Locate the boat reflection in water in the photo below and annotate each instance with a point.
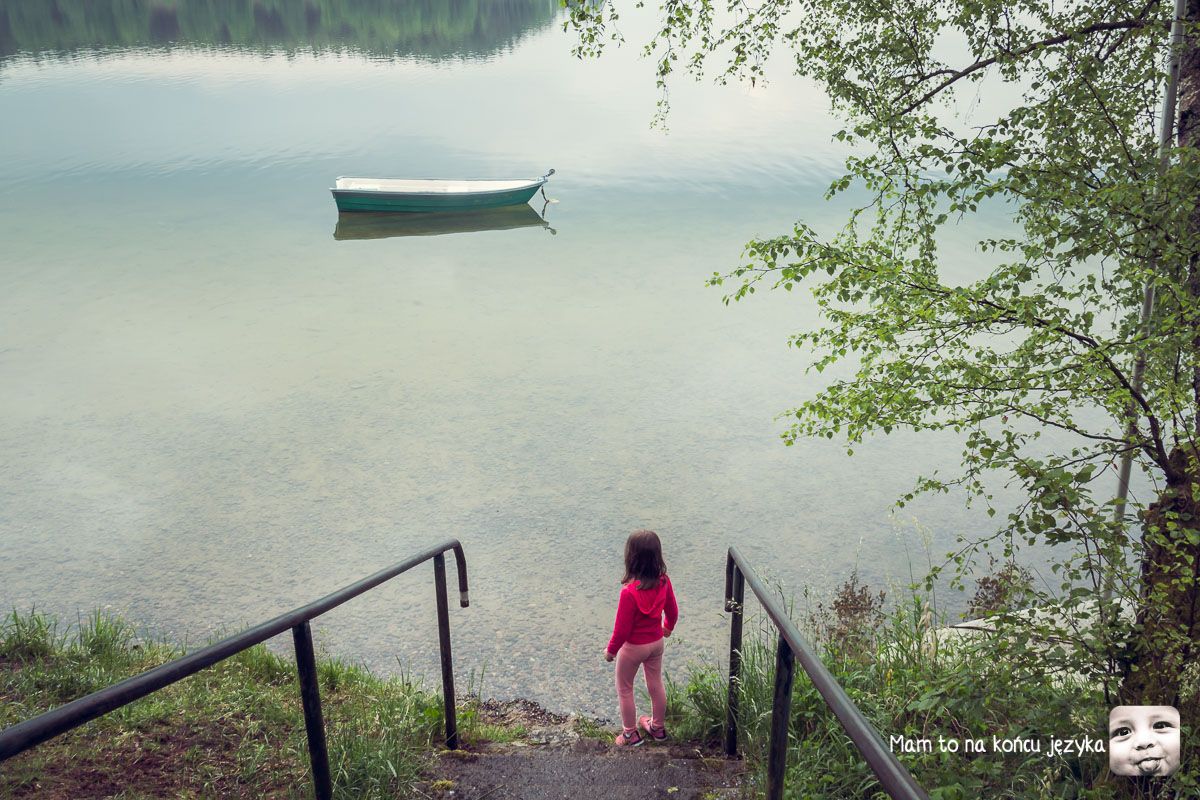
(383, 225)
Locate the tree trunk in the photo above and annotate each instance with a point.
(1168, 637)
(1189, 86)
(1189, 136)
(1168, 616)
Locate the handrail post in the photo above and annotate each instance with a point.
(443, 615)
(734, 603)
(314, 724)
(460, 562)
(781, 715)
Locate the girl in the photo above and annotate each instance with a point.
(637, 640)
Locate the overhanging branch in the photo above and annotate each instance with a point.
(955, 77)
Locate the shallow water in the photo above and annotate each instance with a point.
(212, 410)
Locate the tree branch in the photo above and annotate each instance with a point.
(1128, 24)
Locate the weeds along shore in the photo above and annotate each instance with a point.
(972, 715)
(237, 729)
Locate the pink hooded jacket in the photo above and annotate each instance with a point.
(640, 614)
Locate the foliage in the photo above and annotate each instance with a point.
(235, 729)
(852, 618)
(1005, 589)
(916, 682)
(1043, 333)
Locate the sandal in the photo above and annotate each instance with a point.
(629, 738)
(657, 734)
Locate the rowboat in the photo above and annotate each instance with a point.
(382, 225)
(395, 194)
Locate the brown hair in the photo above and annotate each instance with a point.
(644, 559)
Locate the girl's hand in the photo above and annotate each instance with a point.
(608, 656)
(666, 633)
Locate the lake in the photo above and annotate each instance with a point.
(213, 409)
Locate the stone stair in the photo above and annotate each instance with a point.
(560, 757)
(584, 770)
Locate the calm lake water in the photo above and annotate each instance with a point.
(212, 410)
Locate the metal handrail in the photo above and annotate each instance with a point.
(32, 732)
(893, 776)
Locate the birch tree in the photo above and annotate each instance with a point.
(1050, 334)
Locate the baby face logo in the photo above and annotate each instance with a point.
(1143, 740)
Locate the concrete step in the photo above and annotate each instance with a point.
(585, 770)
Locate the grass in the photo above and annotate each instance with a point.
(906, 686)
(590, 729)
(236, 729)
(233, 730)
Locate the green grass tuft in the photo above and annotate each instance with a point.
(235, 729)
(29, 637)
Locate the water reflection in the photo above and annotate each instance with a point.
(210, 404)
(429, 29)
(368, 225)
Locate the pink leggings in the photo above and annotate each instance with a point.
(629, 658)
